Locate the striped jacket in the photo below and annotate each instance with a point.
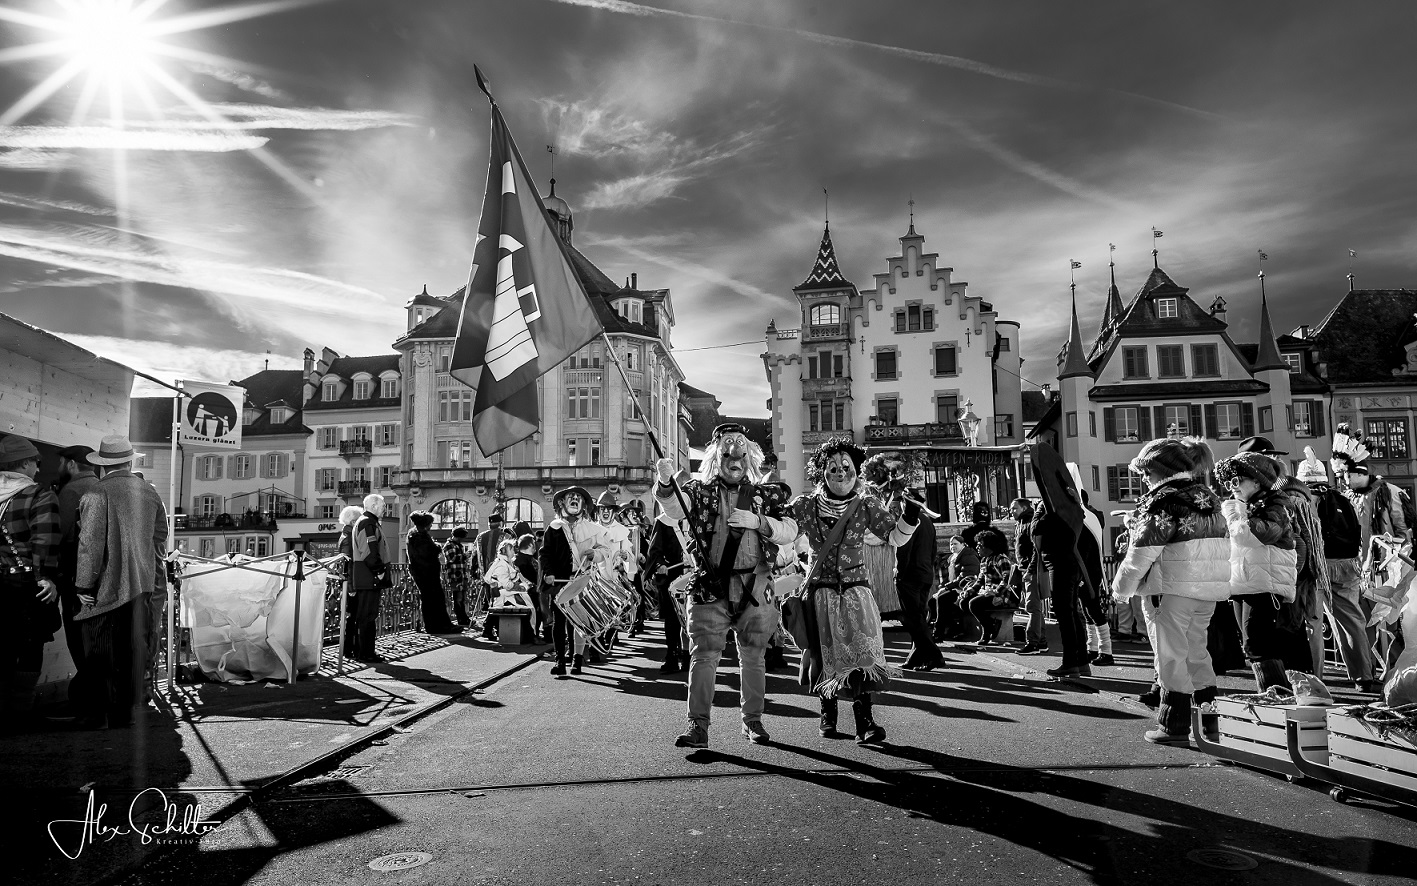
(1178, 545)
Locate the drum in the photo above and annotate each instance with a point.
(595, 603)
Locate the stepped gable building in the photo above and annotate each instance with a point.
(1162, 365)
(589, 434)
(914, 363)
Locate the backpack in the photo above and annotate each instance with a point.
(1339, 524)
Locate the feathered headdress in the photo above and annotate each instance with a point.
(1349, 453)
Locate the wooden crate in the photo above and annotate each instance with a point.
(1358, 749)
(1259, 728)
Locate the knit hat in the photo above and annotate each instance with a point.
(1165, 457)
(1250, 465)
(1311, 470)
(16, 448)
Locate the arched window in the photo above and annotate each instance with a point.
(825, 315)
(451, 513)
(519, 509)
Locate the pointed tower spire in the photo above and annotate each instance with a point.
(1268, 355)
(1113, 310)
(826, 273)
(1076, 363)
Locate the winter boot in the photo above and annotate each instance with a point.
(1270, 672)
(827, 727)
(867, 731)
(576, 664)
(1204, 701)
(559, 670)
(1173, 720)
(1152, 697)
(774, 660)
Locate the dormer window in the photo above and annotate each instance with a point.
(329, 392)
(249, 415)
(389, 388)
(279, 415)
(361, 389)
(1293, 361)
(1167, 309)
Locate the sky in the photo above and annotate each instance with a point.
(238, 178)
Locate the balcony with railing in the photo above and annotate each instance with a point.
(352, 448)
(260, 521)
(826, 330)
(812, 388)
(931, 432)
(816, 438)
(349, 488)
(576, 378)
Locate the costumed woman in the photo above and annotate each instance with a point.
(427, 573)
(839, 624)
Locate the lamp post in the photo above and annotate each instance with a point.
(969, 424)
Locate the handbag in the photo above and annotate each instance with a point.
(793, 606)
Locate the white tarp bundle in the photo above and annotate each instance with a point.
(241, 612)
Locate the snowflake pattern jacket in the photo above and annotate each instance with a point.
(1178, 545)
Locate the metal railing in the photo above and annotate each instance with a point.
(349, 448)
(354, 487)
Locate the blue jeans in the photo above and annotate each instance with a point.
(709, 624)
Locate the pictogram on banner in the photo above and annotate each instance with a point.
(211, 415)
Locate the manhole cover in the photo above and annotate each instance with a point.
(345, 771)
(400, 861)
(1222, 859)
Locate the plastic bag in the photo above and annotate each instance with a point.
(1308, 689)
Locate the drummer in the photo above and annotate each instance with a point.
(739, 521)
(574, 543)
(631, 516)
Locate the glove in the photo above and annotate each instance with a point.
(1232, 509)
(912, 511)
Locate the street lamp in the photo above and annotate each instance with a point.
(969, 424)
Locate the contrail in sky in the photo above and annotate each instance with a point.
(934, 58)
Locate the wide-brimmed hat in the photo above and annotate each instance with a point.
(561, 495)
(607, 500)
(1262, 445)
(16, 448)
(113, 450)
(633, 506)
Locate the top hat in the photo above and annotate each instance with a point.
(113, 450)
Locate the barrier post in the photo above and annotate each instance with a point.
(298, 550)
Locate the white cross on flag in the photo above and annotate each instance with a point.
(525, 310)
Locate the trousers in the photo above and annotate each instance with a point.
(115, 649)
(1177, 628)
(709, 624)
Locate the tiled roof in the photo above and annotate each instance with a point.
(348, 367)
(268, 386)
(423, 298)
(1141, 319)
(1267, 357)
(1362, 338)
(1076, 364)
(688, 390)
(826, 272)
(1305, 382)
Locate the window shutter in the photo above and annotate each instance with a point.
(1113, 493)
(1160, 412)
(1144, 423)
(442, 453)
(1289, 417)
(1247, 419)
(261, 470)
(1210, 428)
(1316, 409)
(1109, 428)
(1197, 421)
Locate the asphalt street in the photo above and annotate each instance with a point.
(990, 773)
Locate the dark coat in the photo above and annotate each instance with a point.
(915, 562)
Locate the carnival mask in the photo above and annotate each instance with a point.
(573, 505)
(733, 458)
(840, 474)
(605, 516)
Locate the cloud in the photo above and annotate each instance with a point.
(102, 251)
(637, 249)
(251, 117)
(166, 360)
(22, 202)
(110, 138)
(33, 159)
(241, 80)
(683, 163)
(935, 58)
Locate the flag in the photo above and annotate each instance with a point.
(1155, 233)
(1352, 253)
(1076, 265)
(524, 311)
(1263, 257)
(1111, 247)
(210, 417)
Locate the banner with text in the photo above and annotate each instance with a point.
(211, 416)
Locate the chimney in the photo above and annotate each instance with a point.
(309, 360)
(1217, 308)
(1047, 392)
(635, 282)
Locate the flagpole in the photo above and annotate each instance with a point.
(172, 526)
(653, 440)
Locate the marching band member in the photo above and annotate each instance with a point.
(573, 544)
(739, 522)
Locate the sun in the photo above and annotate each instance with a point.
(109, 38)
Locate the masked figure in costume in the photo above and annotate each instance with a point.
(574, 543)
(738, 522)
(845, 653)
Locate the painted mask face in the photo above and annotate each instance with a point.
(573, 505)
(840, 474)
(733, 461)
(605, 515)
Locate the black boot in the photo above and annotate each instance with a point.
(1270, 672)
(1173, 720)
(774, 660)
(827, 727)
(671, 662)
(867, 731)
(559, 669)
(1152, 697)
(576, 663)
